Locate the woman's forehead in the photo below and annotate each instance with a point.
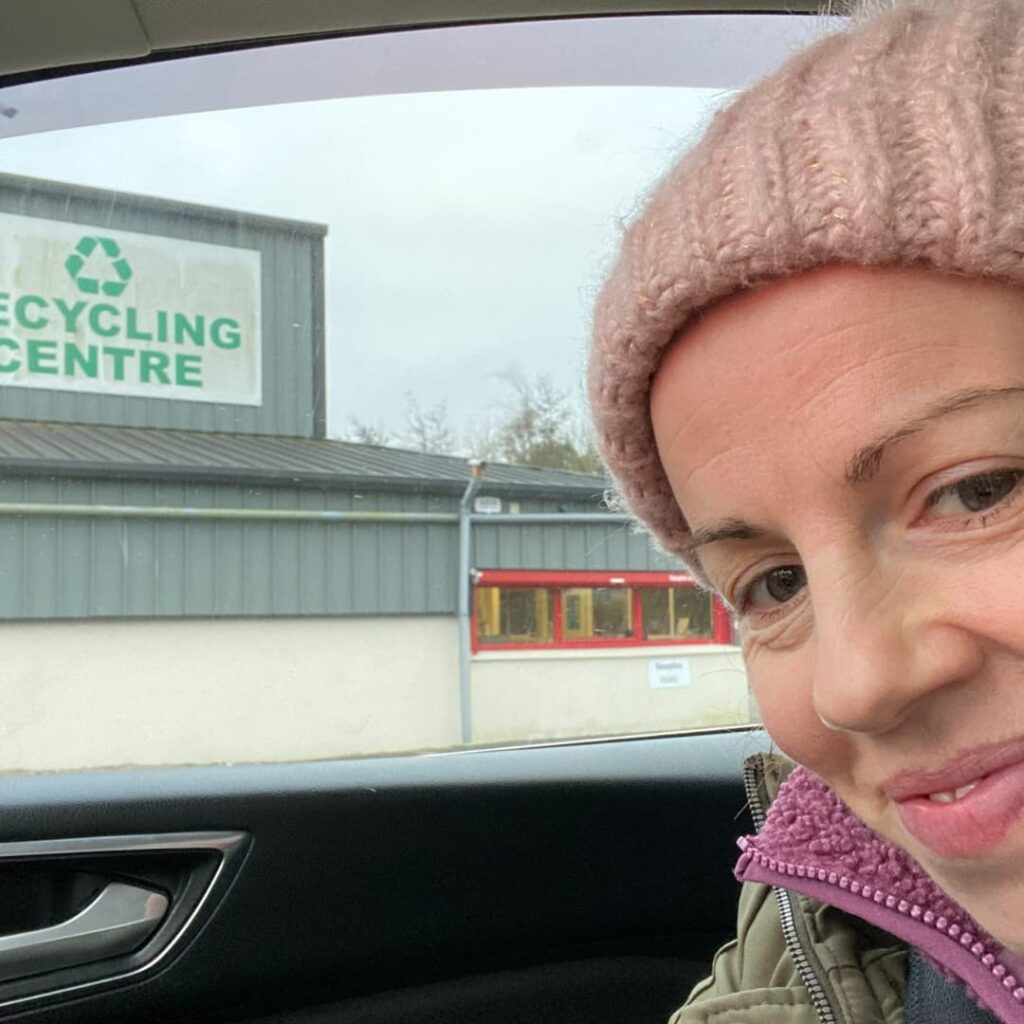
(812, 367)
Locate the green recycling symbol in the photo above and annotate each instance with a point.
(119, 272)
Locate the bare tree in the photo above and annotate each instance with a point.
(428, 430)
(539, 426)
(542, 429)
(359, 432)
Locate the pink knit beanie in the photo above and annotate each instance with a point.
(899, 140)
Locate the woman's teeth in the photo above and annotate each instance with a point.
(952, 795)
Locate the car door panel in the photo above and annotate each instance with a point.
(563, 882)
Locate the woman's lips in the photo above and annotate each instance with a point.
(957, 815)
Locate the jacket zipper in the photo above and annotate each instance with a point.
(846, 887)
(850, 892)
(784, 898)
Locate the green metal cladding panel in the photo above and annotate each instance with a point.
(291, 301)
(569, 546)
(71, 567)
(75, 567)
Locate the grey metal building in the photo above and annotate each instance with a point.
(42, 223)
(101, 521)
(182, 546)
(134, 499)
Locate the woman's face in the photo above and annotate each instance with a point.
(848, 449)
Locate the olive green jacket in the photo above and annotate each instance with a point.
(832, 969)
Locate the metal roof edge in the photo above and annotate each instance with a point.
(283, 478)
(220, 215)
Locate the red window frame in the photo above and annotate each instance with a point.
(558, 581)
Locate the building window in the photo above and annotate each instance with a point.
(513, 616)
(517, 608)
(677, 613)
(594, 613)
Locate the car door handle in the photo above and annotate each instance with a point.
(117, 921)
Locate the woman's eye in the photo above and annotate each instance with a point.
(975, 493)
(776, 587)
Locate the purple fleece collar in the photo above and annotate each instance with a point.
(812, 843)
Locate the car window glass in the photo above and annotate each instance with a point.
(293, 455)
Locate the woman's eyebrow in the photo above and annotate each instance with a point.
(724, 529)
(866, 462)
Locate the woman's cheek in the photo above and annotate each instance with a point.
(784, 690)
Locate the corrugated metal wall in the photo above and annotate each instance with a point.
(572, 546)
(292, 308)
(76, 567)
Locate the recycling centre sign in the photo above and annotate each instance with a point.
(118, 313)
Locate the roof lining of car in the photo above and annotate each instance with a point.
(42, 37)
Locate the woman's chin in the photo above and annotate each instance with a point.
(1003, 922)
(989, 887)
(999, 910)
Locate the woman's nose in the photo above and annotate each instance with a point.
(885, 646)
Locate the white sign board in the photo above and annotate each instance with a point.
(487, 506)
(667, 672)
(120, 313)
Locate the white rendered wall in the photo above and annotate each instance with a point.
(202, 691)
(100, 693)
(562, 694)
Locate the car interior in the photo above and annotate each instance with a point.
(553, 882)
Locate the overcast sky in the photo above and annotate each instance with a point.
(467, 230)
(472, 179)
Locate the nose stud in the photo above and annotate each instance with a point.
(831, 726)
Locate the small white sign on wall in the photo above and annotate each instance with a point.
(668, 672)
(486, 505)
